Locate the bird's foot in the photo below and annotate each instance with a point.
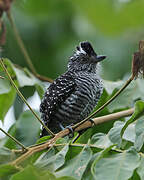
(71, 135)
(69, 127)
(92, 122)
(82, 131)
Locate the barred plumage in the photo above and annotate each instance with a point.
(73, 95)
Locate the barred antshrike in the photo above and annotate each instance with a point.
(73, 95)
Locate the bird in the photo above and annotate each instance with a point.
(73, 95)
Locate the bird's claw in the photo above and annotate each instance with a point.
(69, 127)
(92, 122)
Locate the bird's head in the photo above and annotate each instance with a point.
(84, 58)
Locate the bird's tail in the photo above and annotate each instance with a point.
(43, 133)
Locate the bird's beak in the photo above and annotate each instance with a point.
(100, 58)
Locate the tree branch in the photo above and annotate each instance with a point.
(106, 118)
(85, 125)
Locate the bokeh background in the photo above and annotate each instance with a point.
(51, 29)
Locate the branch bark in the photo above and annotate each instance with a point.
(85, 125)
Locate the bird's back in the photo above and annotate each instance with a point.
(75, 97)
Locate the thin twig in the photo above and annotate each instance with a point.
(20, 42)
(65, 132)
(43, 78)
(108, 102)
(1, 77)
(24, 50)
(24, 100)
(35, 149)
(14, 139)
(90, 145)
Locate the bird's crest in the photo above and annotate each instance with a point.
(85, 48)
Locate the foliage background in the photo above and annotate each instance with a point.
(50, 31)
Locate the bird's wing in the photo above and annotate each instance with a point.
(57, 93)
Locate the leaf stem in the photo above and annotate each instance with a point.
(90, 145)
(24, 100)
(14, 139)
(108, 102)
(24, 50)
(20, 42)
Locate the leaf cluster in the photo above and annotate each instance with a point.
(106, 151)
(112, 150)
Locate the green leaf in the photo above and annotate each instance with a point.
(66, 178)
(55, 161)
(63, 140)
(110, 86)
(46, 154)
(27, 128)
(139, 129)
(129, 134)
(32, 173)
(9, 143)
(6, 170)
(133, 92)
(125, 99)
(104, 127)
(135, 176)
(100, 140)
(24, 77)
(140, 169)
(73, 152)
(139, 111)
(6, 155)
(21, 76)
(88, 174)
(103, 99)
(43, 139)
(83, 139)
(76, 166)
(123, 128)
(115, 133)
(116, 166)
(139, 142)
(5, 86)
(96, 157)
(101, 155)
(6, 101)
(40, 89)
(8, 64)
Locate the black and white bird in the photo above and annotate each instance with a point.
(73, 95)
